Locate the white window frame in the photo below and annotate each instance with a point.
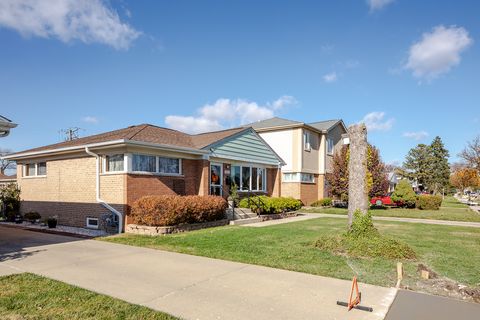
(104, 163)
(330, 144)
(92, 226)
(264, 180)
(147, 155)
(36, 175)
(298, 177)
(128, 165)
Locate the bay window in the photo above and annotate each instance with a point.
(144, 163)
(249, 178)
(169, 165)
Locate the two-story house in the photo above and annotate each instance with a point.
(307, 149)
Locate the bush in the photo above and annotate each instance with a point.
(32, 216)
(270, 205)
(363, 240)
(325, 202)
(404, 194)
(175, 210)
(428, 202)
(10, 198)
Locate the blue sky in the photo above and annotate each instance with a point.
(409, 68)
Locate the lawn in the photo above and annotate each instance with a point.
(28, 296)
(451, 210)
(453, 252)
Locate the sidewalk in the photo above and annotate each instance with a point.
(187, 286)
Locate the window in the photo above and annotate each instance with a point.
(36, 169)
(307, 140)
(299, 177)
(307, 177)
(92, 223)
(169, 165)
(41, 169)
(144, 163)
(330, 146)
(249, 178)
(114, 163)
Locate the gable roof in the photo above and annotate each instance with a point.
(326, 125)
(143, 133)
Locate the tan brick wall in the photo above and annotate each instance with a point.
(68, 191)
(307, 192)
(291, 189)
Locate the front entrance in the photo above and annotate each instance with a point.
(216, 179)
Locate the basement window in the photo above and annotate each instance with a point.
(92, 223)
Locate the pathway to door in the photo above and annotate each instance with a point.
(187, 286)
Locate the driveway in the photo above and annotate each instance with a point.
(183, 285)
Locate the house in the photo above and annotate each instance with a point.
(83, 180)
(5, 126)
(307, 149)
(5, 180)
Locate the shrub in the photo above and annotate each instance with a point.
(10, 198)
(429, 202)
(175, 210)
(32, 216)
(364, 240)
(270, 205)
(325, 202)
(404, 195)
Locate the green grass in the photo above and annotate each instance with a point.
(28, 296)
(451, 210)
(450, 251)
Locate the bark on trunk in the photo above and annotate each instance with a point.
(357, 169)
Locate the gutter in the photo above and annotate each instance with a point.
(97, 193)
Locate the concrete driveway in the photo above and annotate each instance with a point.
(186, 286)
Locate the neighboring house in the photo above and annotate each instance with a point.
(81, 180)
(5, 126)
(393, 180)
(307, 149)
(6, 180)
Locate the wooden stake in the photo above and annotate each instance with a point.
(399, 273)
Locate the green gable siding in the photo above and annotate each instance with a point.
(246, 146)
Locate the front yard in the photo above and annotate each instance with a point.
(452, 252)
(28, 296)
(451, 210)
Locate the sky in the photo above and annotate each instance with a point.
(408, 69)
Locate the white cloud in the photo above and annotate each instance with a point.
(438, 51)
(86, 20)
(375, 121)
(330, 77)
(418, 135)
(378, 4)
(226, 113)
(90, 119)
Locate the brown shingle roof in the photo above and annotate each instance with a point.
(5, 177)
(146, 133)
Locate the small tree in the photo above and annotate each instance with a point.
(404, 194)
(10, 200)
(338, 179)
(465, 178)
(439, 167)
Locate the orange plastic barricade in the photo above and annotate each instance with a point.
(354, 303)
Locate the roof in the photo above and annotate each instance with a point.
(274, 122)
(143, 133)
(5, 126)
(325, 125)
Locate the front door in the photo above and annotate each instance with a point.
(216, 179)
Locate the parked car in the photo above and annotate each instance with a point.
(385, 200)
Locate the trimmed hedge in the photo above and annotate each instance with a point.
(428, 202)
(270, 205)
(325, 202)
(159, 211)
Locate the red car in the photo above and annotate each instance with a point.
(383, 201)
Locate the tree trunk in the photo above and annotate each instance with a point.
(357, 168)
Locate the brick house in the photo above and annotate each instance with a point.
(82, 180)
(307, 149)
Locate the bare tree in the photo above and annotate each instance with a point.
(471, 154)
(5, 164)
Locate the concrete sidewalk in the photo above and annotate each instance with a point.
(411, 220)
(187, 286)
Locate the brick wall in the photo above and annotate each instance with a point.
(307, 192)
(274, 185)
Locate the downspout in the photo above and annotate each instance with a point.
(97, 187)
